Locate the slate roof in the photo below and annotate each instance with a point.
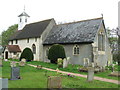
(24, 14)
(13, 48)
(32, 30)
(76, 32)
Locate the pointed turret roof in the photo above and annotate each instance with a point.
(24, 14)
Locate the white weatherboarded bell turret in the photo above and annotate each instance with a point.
(23, 20)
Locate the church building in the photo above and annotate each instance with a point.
(82, 40)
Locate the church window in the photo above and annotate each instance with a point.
(101, 42)
(47, 52)
(35, 39)
(12, 42)
(34, 49)
(26, 20)
(76, 50)
(16, 41)
(20, 20)
(28, 40)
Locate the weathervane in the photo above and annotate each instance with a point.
(24, 8)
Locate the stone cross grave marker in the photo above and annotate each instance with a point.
(15, 73)
(90, 76)
(3, 83)
(1, 63)
(21, 63)
(54, 82)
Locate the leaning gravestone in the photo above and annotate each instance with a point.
(0, 62)
(15, 73)
(3, 83)
(54, 82)
(90, 76)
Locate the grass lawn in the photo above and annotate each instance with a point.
(74, 69)
(35, 78)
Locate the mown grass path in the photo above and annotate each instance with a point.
(80, 75)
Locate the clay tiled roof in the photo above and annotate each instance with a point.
(13, 48)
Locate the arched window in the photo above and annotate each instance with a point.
(47, 52)
(34, 49)
(26, 20)
(76, 50)
(101, 41)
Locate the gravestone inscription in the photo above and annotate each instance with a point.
(54, 82)
(15, 73)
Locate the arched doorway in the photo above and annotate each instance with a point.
(6, 55)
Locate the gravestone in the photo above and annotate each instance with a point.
(15, 73)
(65, 62)
(23, 59)
(21, 63)
(90, 76)
(54, 82)
(86, 62)
(39, 67)
(60, 62)
(13, 64)
(1, 63)
(3, 83)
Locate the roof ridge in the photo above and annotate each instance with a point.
(81, 21)
(39, 21)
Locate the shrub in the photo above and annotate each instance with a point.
(55, 52)
(27, 54)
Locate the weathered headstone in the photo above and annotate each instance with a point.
(54, 82)
(15, 73)
(39, 67)
(60, 62)
(13, 64)
(90, 76)
(65, 62)
(1, 63)
(21, 63)
(3, 83)
(23, 59)
(86, 62)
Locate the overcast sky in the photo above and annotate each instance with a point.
(60, 10)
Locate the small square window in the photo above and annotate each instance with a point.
(28, 40)
(12, 42)
(16, 41)
(35, 39)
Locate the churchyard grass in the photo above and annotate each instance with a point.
(35, 78)
(74, 69)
